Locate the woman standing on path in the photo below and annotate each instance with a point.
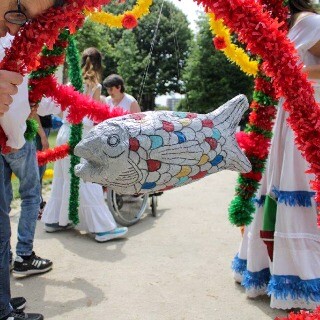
(94, 215)
(280, 251)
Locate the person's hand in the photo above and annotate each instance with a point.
(8, 87)
(45, 143)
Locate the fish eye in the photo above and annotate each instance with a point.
(113, 140)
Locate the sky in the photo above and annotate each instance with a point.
(190, 9)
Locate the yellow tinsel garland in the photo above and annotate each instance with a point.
(232, 52)
(115, 21)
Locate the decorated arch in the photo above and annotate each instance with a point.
(260, 26)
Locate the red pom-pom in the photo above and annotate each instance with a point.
(219, 43)
(129, 21)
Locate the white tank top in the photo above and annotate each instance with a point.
(125, 103)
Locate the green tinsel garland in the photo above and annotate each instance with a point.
(242, 207)
(56, 51)
(32, 129)
(264, 99)
(32, 124)
(75, 76)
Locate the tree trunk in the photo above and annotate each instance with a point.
(147, 102)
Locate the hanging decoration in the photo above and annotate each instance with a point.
(223, 42)
(128, 19)
(51, 155)
(75, 77)
(48, 64)
(32, 129)
(266, 39)
(79, 105)
(257, 137)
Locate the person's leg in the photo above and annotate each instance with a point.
(42, 169)
(24, 166)
(5, 233)
(7, 173)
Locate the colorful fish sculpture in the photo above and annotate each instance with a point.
(160, 150)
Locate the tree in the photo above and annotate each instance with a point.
(209, 78)
(127, 52)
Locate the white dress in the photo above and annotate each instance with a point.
(94, 215)
(292, 279)
(125, 103)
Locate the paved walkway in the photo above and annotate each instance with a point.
(174, 267)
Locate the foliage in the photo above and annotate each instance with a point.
(126, 52)
(210, 79)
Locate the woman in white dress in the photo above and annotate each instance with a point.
(94, 215)
(280, 251)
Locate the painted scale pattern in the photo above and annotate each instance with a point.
(157, 151)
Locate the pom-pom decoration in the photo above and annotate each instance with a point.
(128, 19)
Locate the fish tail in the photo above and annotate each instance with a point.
(231, 112)
(228, 117)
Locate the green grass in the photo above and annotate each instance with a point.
(15, 181)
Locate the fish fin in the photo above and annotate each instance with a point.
(128, 177)
(187, 153)
(239, 162)
(231, 112)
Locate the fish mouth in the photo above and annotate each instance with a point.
(117, 156)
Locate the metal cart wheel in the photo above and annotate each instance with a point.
(126, 210)
(154, 205)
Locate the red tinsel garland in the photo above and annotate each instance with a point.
(277, 10)
(255, 144)
(264, 38)
(52, 155)
(78, 105)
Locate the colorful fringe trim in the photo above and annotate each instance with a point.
(294, 198)
(260, 201)
(239, 265)
(289, 198)
(282, 287)
(256, 280)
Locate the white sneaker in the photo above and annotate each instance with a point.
(112, 234)
(54, 227)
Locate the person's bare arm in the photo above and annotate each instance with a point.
(96, 95)
(41, 133)
(8, 87)
(134, 108)
(314, 71)
(315, 50)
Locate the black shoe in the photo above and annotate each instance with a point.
(21, 315)
(31, 265)
(42, 205)
(18, 303)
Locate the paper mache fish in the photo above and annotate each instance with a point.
(160, 150)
